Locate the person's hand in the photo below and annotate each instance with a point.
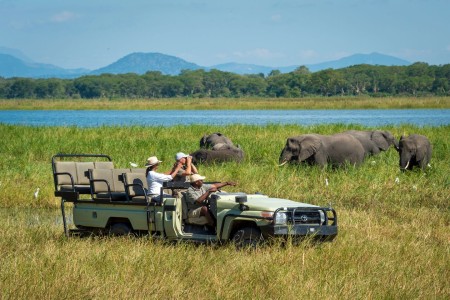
(189, 159)
(231, 183)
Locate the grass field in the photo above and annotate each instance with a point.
(394, 238)
(232, 103)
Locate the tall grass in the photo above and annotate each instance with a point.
(394, 239)
(231, 103)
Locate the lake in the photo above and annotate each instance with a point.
(93, 118)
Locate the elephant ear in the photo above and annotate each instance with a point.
(203, 141)
(308, 147)
(380, 140)
(421, 151)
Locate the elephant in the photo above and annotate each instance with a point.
(414, 150)
(374, 141)
(207, 156)
(337, 150)
(209, 141)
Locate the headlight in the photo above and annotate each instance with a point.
(280, 218)
(322, 217)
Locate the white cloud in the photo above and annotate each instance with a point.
(276, 17)
(63, 16)
(308, 54)
(259, 53)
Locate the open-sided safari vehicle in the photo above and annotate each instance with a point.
(109, 200)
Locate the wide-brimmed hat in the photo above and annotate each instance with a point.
(180, 155)
(152, 160)
(196, 177)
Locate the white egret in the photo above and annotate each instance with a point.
(133, 164)
(36, 194)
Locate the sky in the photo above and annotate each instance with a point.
(95, 33)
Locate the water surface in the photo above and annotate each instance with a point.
(93, 118)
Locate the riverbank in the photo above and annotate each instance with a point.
(228, 103)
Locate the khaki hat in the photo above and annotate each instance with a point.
(152, 160)
(196, 177)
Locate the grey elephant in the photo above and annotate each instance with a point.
(336, 150)
(414, 150)
(215, 140)
(374, 141)
(207, 156)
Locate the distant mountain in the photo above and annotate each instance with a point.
(11, 66)
(141, 63)
(16, 53)
(358, 59)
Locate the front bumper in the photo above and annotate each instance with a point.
(299, 230)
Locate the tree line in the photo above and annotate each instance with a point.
(418, 79)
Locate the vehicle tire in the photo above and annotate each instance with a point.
(247, 237)
(118, 229)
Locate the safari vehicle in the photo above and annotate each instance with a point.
(110, 200)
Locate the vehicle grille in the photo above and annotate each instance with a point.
(306, 217)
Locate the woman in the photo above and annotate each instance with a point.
(155, 180)
(187, 167)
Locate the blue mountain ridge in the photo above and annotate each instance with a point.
(140, 63)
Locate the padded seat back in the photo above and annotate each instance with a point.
(83, 172)
(117, 177)
(136, 184)
(104, 165)
(70, 172)
(100, 179)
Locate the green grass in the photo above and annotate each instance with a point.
(231, 103)
(394, 239)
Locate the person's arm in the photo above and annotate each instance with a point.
(174, 170)
(193, 169)
(222, 184)
(188, 170)
(214, 187)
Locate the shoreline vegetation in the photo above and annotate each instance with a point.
(394, 227)
(228, 103)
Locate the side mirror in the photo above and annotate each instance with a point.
(241, 199)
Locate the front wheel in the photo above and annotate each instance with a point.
(247, 237)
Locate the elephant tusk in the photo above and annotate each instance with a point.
(283, 163)
(407, 165)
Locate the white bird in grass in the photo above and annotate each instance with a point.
(326, 181)
(133, 164)
(397, 180)
(36, 194)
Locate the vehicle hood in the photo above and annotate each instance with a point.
(258, 202)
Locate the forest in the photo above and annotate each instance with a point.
(418, 79)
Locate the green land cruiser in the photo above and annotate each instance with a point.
(110, 200)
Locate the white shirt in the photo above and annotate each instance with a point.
(155, 181)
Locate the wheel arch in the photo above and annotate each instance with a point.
(114, 220)
(237, 224)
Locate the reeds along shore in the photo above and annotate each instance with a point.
(393, 240)
(230, 103)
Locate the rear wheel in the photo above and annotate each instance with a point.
(247, 237)
(120, 229)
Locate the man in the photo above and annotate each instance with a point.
(187, 169)
(196, 195)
